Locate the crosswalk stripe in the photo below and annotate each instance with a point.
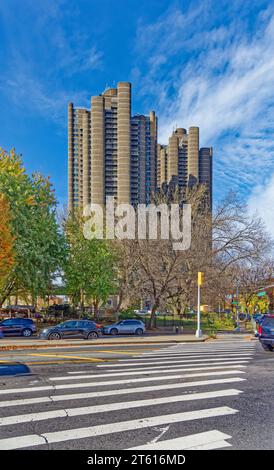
(211, 446)
(118, 406)
(124, 391)
(140, 372)
(178, 364)
(187, 442)
(181, 361)
(193, 353)
(33, 440)
(118, 382)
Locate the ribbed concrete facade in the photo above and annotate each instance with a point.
(182, 163)
(97, 150)
(193, 155)
(110, 152)
(124, 142)
(70, 158)
(173, 154)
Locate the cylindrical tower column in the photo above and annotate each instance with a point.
(163, 163)
(153, 149)
(86, 159)
(70, 156)
(173, 154)
(97, 151)
(193, 155)
(123, 142)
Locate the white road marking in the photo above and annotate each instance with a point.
(187, 442)
(118, 382)
(33, 440)
(192, 354)
(140, 372)
(123, 391)
(169, 363)
(87, 410)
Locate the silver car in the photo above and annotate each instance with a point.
(125, 327)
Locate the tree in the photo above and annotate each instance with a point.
(89, 269)
(166, 276)
(38, 245)
(6, 242)
(219, 241)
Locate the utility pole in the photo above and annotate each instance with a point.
(237, 306)
(200, 282)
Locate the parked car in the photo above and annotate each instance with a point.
(59, 308)
(19, 309)
(126, 327)
(18, 327)
(143, 311)
(266, 332)
(257, 317)
(85, 329)
(244, 316)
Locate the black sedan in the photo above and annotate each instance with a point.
(85, 329)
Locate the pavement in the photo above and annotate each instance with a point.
(203, 395)
(35, 343)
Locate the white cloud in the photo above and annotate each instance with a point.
(261, 202)
(220, 78)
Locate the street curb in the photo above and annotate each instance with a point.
(50, 345)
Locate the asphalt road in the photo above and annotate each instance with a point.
(206, 395)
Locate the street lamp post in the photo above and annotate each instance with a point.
(237, 306)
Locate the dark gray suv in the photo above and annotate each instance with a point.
(85, 329)
(18, 327)
(266, 332)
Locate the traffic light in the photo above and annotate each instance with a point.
(201, 278)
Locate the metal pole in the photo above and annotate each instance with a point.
(198, 331)
(237, 306)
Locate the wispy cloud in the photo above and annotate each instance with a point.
(34, 97)
(221, 78)
(39, 67)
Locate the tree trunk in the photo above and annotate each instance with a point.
(6, 292)
(152, 319)
(96, 309)
(116, 312)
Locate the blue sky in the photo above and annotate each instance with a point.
(208, 63)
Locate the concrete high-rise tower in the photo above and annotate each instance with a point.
(182, 163)
(111, 152)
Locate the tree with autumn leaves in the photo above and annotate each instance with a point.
(33, 245)
(6, 241)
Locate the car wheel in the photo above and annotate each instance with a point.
(92, 335)
(114, 332)
(267, 347)
(53, 336)
(139, 331)
(27, 332)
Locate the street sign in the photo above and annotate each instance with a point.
(234, 302)
(261, 294)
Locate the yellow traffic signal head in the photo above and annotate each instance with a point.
(201, 278)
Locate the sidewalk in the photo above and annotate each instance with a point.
(36, 343)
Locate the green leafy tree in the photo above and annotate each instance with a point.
(90, 266)
(39, 246)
